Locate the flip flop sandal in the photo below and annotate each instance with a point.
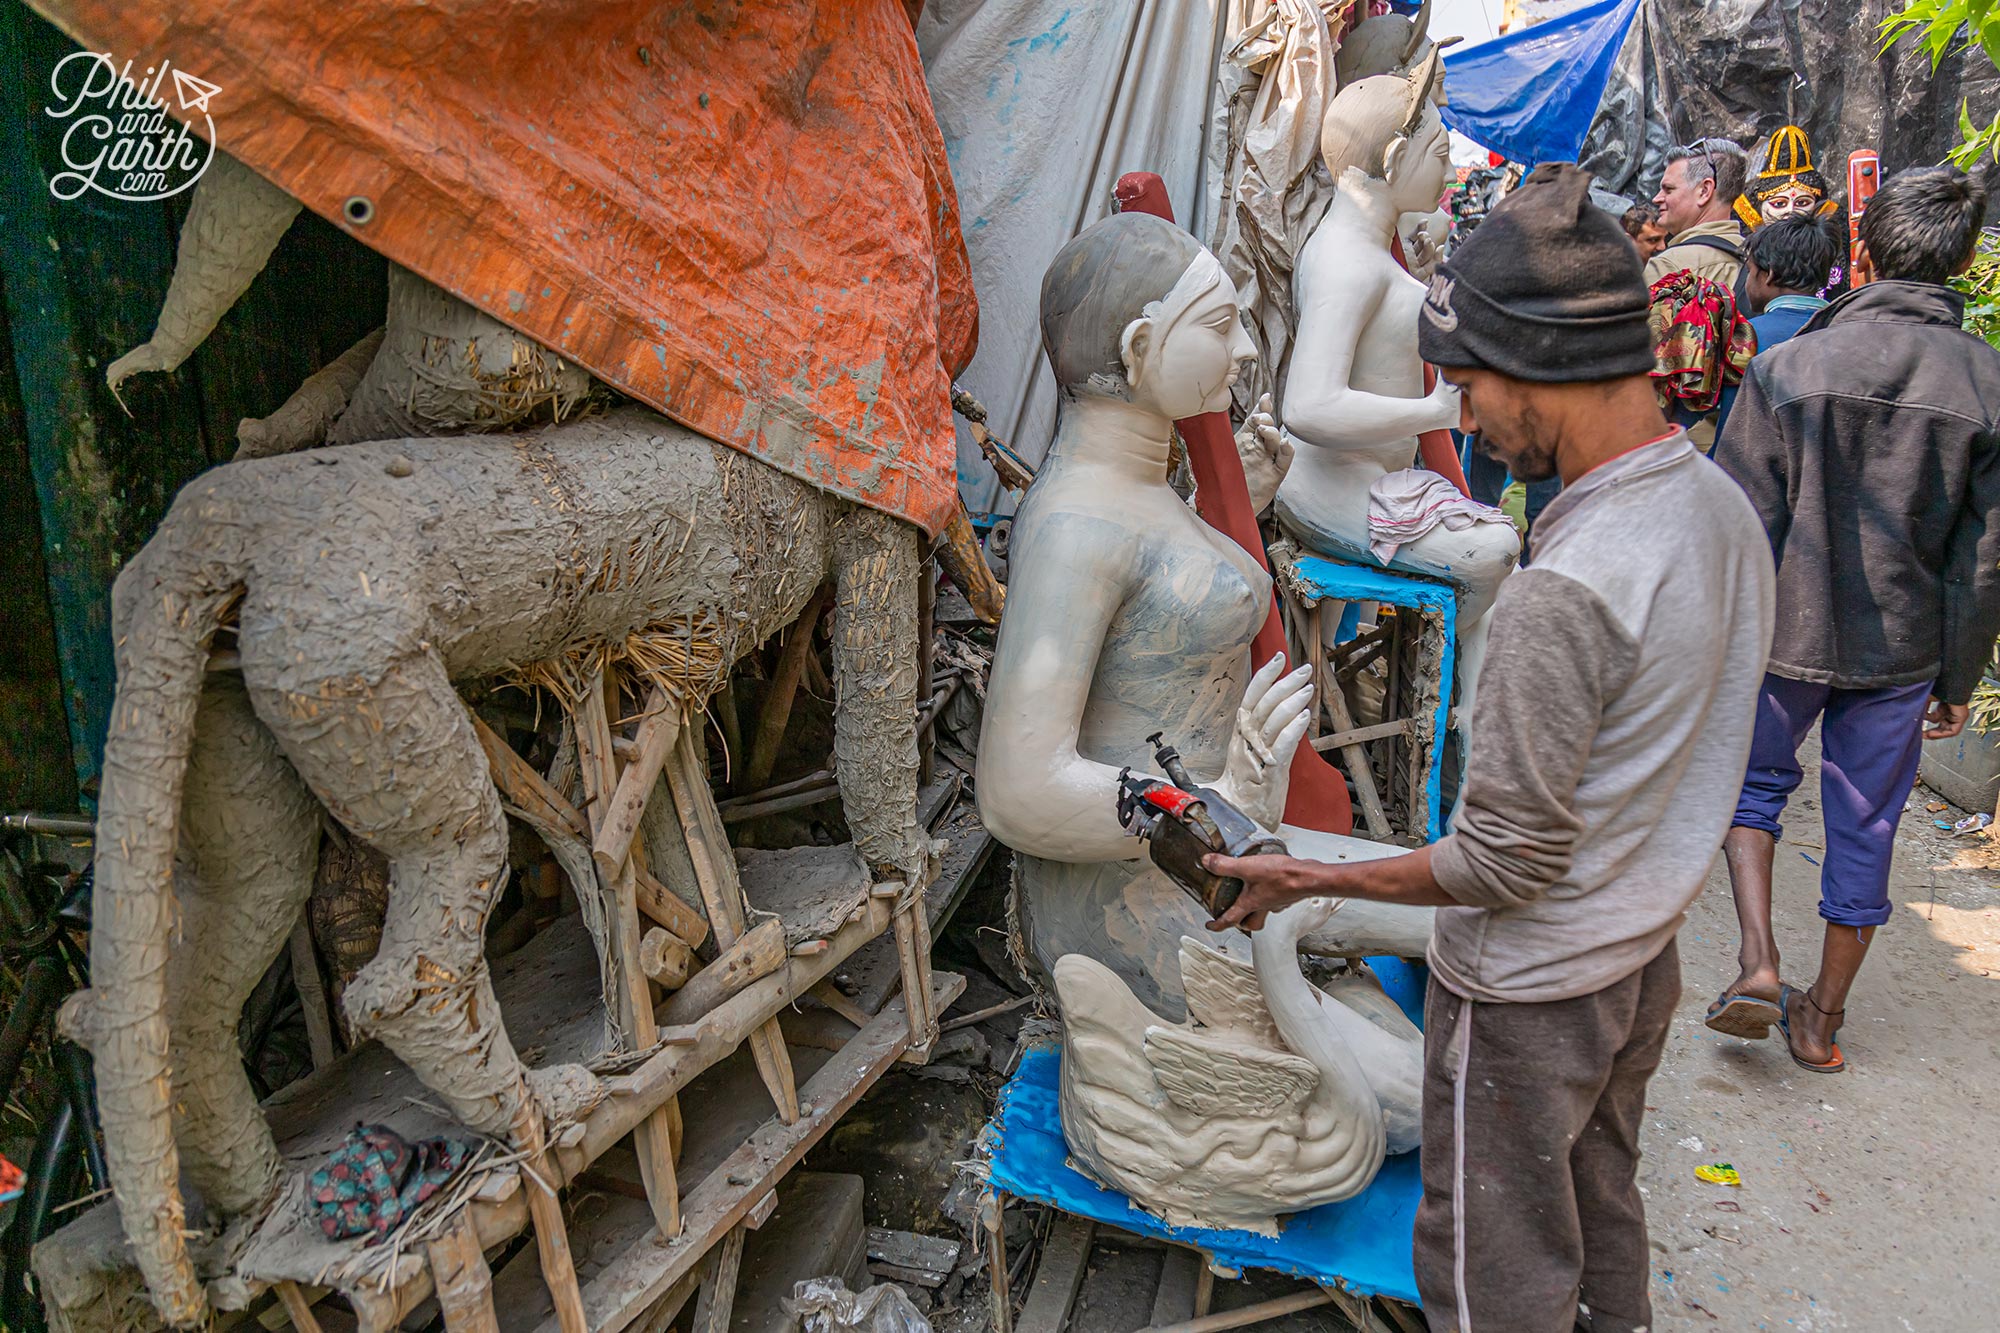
(1750, 1017)
(1833, 1066)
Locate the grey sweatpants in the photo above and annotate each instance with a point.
(1531, 1157)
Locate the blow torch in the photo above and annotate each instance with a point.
(1183, 822)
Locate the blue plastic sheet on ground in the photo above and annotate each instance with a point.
(1334, 580)
(1531, 95)
(1362, 1243)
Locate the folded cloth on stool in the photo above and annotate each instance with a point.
(1405, 505)
(376, 1179)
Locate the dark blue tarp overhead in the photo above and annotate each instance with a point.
(1530, 95)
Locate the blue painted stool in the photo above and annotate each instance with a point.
(1309, 580)
(1355, 1249)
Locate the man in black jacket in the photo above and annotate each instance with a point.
(1870, 446)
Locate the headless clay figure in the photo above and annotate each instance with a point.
(1127, 615)
(1356, 402)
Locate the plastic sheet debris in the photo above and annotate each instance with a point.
(1967, 826)
(1719, 1173)
(825, 1305)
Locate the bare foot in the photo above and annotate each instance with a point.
(1747, 1007)
(1757, 983)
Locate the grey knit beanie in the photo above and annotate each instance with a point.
(1547, 289)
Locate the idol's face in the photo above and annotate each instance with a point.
(1789, 201)
(1192, 364)
(1183, 355)
(1420, 173)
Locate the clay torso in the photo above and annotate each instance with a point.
(1175, 659)
(1356, 291)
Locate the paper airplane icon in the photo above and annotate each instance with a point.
(194, 93)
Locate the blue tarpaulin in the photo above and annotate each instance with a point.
(1361, 1244)
(1530, 96)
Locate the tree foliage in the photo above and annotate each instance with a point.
(1941, 27)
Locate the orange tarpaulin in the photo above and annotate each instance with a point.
(738, 213)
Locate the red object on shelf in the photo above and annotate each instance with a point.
(1317, 797)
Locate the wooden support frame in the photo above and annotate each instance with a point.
(722, 892)
(1352, 735)
(658, 730)
(551, 1231)
(992, 1220)
(297, 1308)
(463, 1281)
(509, 1200)
(656, 1138)
(1409, 640)
(776, 713)
(1246, 1315)
(1328, 689)
(530, 791)
(1066, 1254)
(312, 994)
(624, 1290)
(1058, 1276)
(913, 956)
(718, 1288)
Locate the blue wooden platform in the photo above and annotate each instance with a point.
(1361, 1244)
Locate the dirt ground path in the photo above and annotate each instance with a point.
(1870, 1199)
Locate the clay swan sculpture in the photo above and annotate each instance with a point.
(1276, 1097)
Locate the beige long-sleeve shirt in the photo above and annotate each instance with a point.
(1706, 261)
(1608, 743)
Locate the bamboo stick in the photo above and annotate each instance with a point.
(1250, 1314)
(654, 1139)
(757, 954)
(312, 995)
(715, 872)
(463, 1281)
(298, 1308)
(621, 821)
(665, 959)
(551, 1232)
(777, 710)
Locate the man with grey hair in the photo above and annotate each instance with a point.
(1701, 183)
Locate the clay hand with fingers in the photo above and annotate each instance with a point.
(1266, 453)
(1269, 725)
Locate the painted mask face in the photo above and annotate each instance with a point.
(1198, 345)
(1789, 201)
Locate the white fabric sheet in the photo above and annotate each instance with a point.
(1044, 105)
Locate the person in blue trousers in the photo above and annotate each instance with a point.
(1869, 445)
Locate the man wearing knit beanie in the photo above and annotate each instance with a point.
(1605, 749)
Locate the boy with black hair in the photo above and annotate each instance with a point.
(1786, 265)
(1870, 448)
(1789, 262)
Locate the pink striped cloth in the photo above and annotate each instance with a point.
(1405, 505)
